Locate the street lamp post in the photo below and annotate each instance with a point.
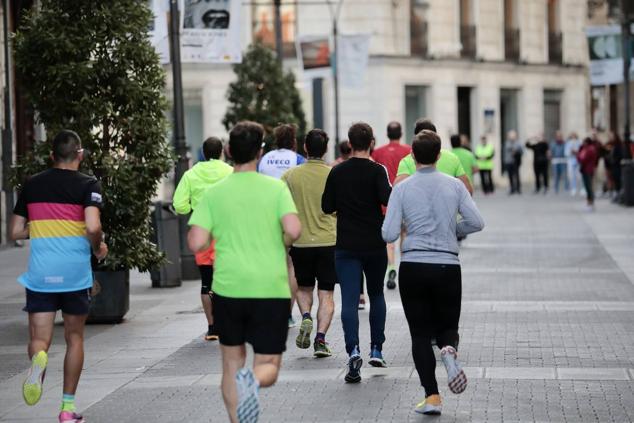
(279, 48)
(626, 20)
(334, 14)
(180, 146)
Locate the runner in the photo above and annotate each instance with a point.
(448, 162)
(59, 209)
(355, 190)
(284, 157)
(191, 187)
(253, 219)
(275, 163)
(430, 277)
(313, 253)
(390, 156)
(466, 157)
(344, 152)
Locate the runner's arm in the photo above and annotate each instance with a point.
(467, 183)
(94, 233)
(19, 228)
(400, 178)
(182, 199)
(383, 186)
(198, 239)
(471, 220)
(292, 228)
(328, 201)
(392, 224)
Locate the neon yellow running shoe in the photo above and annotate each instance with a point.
(32, 388)
(431, 406)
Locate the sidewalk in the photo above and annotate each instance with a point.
(547, 334)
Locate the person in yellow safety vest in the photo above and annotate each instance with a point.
(484, 153)
(188, 193)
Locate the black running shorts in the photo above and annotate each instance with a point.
(206, 279)
(315, 264)
(261, 322)
(74, 302)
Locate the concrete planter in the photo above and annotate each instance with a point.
(110, 297)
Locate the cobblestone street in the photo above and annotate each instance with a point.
(547, 334)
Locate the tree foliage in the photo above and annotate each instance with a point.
(263, 93)
(89, 66)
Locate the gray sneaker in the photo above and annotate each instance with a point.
(457, 380)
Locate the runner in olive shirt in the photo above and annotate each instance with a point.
(313, 253)
(448, 163)
(253, 219)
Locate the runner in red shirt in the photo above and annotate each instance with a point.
(390, 155)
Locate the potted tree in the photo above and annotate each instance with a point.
(89, 67)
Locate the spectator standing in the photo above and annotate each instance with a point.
(541, 157)
(512, 160)
(484, 154)
(559, 161)
(573, 144)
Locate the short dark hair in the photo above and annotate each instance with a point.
(212, 148)
(316, 143)
(394, 131)
(66, 146)
(245, 141)
(361, 136)
(344, 148)
(426, 147)
(285, 136)
(455, 141)
(424, 124)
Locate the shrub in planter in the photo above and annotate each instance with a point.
(89, 67)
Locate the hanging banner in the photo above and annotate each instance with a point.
(313, 54)
(606, 55)
(352, 59)
(159, 35)
(210, 31)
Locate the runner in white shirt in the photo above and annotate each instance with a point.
(276, 162)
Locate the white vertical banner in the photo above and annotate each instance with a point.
(352, 59)
(159, 35)
(210, 31)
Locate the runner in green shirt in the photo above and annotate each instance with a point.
(313, 254)
(448, 162)
(253, 219)
(466, 157)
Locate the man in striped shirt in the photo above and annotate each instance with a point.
(59, 210)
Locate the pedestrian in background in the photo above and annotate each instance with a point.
(187, 195)
(588, 157)
(390, 155)
(573, 144)
(485, 152)
(430, 281)
(559, 161)
(512, 160)
(344, 152)
(541, 157)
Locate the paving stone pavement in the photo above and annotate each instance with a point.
(547, 335)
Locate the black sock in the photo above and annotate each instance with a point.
(306, 316)
(210, 328)
(320, 337)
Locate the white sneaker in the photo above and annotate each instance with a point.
(248, 409)
(457, 380)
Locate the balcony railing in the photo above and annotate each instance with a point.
(419, 42)
(468, 41)
(512, 45)
(555, 48)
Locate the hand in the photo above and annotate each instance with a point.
(102, 252)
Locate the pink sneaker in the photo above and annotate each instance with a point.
(70, 417)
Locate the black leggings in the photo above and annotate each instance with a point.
(431, 296)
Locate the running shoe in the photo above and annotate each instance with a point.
(248, 409)
(361, 303)
(70, 417)
(32, 387)
(391, 279)
(457, 380)
(211, 334)
(303, 338)
(322, 349)
(291, 322)
(432, 406)
(354, 367)
(376, 358)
